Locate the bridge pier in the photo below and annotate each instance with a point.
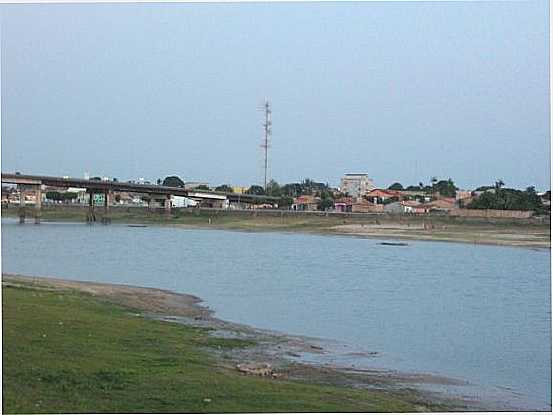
(90, 216)
(107, 200)
(38, 204)
(21, 211)
(151, 202)
(167, 205)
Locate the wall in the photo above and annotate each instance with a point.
(491, 213)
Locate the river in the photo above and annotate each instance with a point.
(477, 313)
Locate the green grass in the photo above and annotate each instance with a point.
(70, 352)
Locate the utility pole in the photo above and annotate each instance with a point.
(266, 139)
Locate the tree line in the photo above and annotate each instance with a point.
(494, 196)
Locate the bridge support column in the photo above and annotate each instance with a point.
(107, 200)
(151, 202)
(21, 210)
(90, 216)
(38, 203)
(167, 205)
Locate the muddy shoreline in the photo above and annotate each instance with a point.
(442, 229)
(285, 354)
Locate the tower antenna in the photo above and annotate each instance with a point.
(267, 124)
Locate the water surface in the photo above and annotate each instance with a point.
(477, 313)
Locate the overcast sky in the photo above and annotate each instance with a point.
(401, 91)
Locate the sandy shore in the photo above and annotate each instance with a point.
(284, 353)
(525, 237)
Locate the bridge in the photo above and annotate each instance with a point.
(33, 183)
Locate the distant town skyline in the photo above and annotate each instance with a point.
(400, 91)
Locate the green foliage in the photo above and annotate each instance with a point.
(202, 187)
(255, 190)
(67, 352)
(173, 181)
(306, 187)
(285, 202)
(325, 204)
(273, 189)
(508, 199)
(444, 187)
(396, 186)
(224, 188)
(291, 190)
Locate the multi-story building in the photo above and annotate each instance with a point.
(356, 185)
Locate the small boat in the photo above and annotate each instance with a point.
(394, 243)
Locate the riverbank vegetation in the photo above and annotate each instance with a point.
(70, 352)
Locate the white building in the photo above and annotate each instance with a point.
(181, 201)
(356, 185)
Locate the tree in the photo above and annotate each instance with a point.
(273, 189)
(255, 190)
(224, 188)
(325, 204)
(202, 187)
(285, 202)
(173, 181)
(445, 188)
(508, 199)
(396, 186)
(291, 189)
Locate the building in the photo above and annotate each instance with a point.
(356, 185)
(305, 202)
(239, 189)
(442, 205)
(181, 201)
(380, 195)
(364, 206)
(343, 204)
(412, 206)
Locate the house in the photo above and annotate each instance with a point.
(379, 195)
(305, 202)
(356, 185)
(412, 206)
(444, 205)
(343, 204)
(364, 206)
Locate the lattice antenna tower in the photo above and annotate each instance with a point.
(266, 143)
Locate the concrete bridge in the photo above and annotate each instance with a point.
(33, 184)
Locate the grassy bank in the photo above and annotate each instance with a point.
(511, 232)
(68, 351)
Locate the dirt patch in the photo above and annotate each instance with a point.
(529, 238)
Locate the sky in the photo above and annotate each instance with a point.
(402, 91)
